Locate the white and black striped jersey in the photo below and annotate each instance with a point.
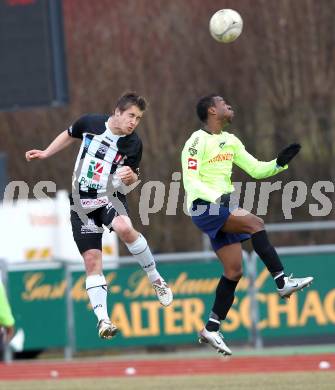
(101, 153)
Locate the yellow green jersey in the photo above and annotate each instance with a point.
(207, 162)
(6, 317)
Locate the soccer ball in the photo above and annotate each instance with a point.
(226, 25)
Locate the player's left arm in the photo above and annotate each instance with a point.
(263, 169)
(129, 173)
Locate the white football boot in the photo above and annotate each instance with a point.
(163, 292)
(215, 339)
(294, 284)
(106, 329)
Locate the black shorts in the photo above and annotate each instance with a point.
(87, 227)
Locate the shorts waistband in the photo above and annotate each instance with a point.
(224, 199)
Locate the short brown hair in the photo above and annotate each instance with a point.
(129, 99)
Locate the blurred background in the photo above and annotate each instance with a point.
(279, 77)
(61, 59)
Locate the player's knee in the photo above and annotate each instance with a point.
(123, 229)
(92, 262)
(234, 274)
(259, 224)
(256, 225)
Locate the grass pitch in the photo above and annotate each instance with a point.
(293, 381)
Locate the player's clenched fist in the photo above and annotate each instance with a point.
(33, 154)
(126, 174)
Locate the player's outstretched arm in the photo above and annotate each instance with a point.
(286, 155)
(255, 168)
(62, 141)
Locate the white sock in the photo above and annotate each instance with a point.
(96, 287)
(142, 253)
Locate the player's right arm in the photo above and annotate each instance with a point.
(192, 156)
(62, 141)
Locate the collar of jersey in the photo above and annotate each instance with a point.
(114, 135)
(208, 132)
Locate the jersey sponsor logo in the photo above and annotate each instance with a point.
(89, 228)
(222, 157)
(192, 151)
(195, 142)
(87, 142)
(90, 203)
(117, 158)
(103, 149)
(109, 139)
(89, 184)
(222, 144)
(192, 164)
(95, 170)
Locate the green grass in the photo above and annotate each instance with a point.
(282, 381)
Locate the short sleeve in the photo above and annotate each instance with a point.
(133, 161)
(79, 127)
